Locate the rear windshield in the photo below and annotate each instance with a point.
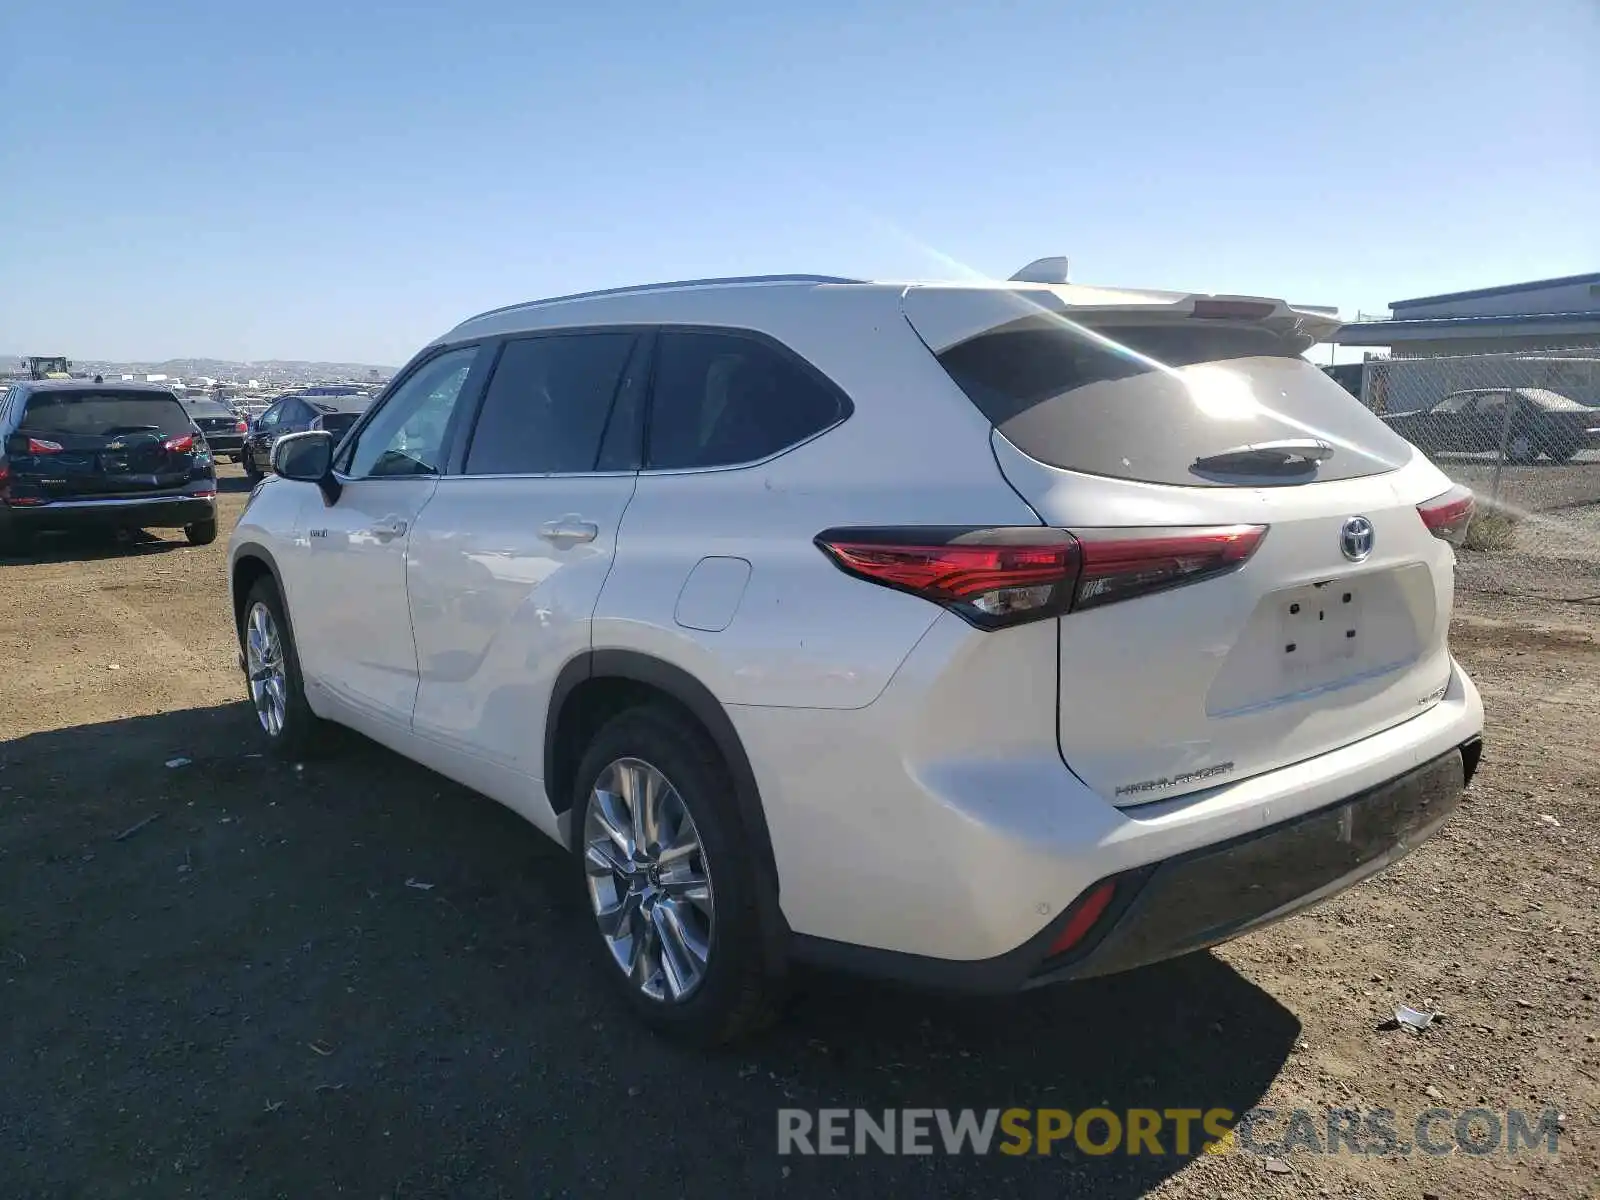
(344, 404)
(1151, 402)
(1552, 401)
(338, 422)
(104, 414)
(208, 408)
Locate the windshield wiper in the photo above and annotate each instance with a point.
(1290, 456)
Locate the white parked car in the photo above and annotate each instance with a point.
(979, 635)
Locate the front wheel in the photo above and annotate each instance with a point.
(1521, 448)
(669, 879)
(251, 471)
(272, 672)
(201, 533)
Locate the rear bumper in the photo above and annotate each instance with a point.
(153, 512)
(931, 825)
(225, 443)
(1197, 899)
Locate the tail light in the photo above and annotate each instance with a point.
(1447, 516)
(43, 446)
(5, 482)
(1119, 564)
(998, 577)
(180, 445)
(241, 427)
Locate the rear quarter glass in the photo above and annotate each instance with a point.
(1146, 402)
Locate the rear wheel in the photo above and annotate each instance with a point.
(272, 672)
(668, 878)
(201, 533)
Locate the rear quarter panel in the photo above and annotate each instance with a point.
(804, 634)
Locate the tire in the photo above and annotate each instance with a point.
(735, 993)
(251, 471)
(1521, 447)
(201, 533)
(299, 732)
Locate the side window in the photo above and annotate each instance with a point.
(1491, 407)
(270, 418)
(409, 434)
(721, 400)
(545, 409)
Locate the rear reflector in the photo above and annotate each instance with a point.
(1006, 576)
(43, 446)
(1449, 515)
(1086, 911)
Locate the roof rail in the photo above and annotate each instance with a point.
(662, 287)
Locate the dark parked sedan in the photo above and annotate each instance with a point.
(75, 454)
(224, 429)
(1539, 421)
(296, 413)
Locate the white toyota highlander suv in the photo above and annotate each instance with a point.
(976, 635)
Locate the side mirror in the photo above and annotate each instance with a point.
(308, 458)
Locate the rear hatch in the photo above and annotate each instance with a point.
(89, 444)
(1158, 427)
(336, 423)
(216, 422)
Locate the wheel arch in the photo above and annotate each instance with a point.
(253, 562)
(599, 683)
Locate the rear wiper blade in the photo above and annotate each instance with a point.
(1290, 456)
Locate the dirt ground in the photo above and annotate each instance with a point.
(236, 978)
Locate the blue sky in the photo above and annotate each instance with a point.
(315, 180)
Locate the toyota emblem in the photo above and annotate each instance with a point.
(1355, 539)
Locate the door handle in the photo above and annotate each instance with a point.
(569, 531)
(389, 527)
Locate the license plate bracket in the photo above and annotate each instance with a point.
(1319, 628)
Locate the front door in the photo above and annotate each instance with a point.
(352, 614)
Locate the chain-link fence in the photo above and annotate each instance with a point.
(1523, 431)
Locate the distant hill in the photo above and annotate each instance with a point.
(276, 370)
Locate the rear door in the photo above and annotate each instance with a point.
(508, 558)
(1258, 584)
(88, 444)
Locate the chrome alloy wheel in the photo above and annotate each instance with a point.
(263, 661)
(648, 880)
